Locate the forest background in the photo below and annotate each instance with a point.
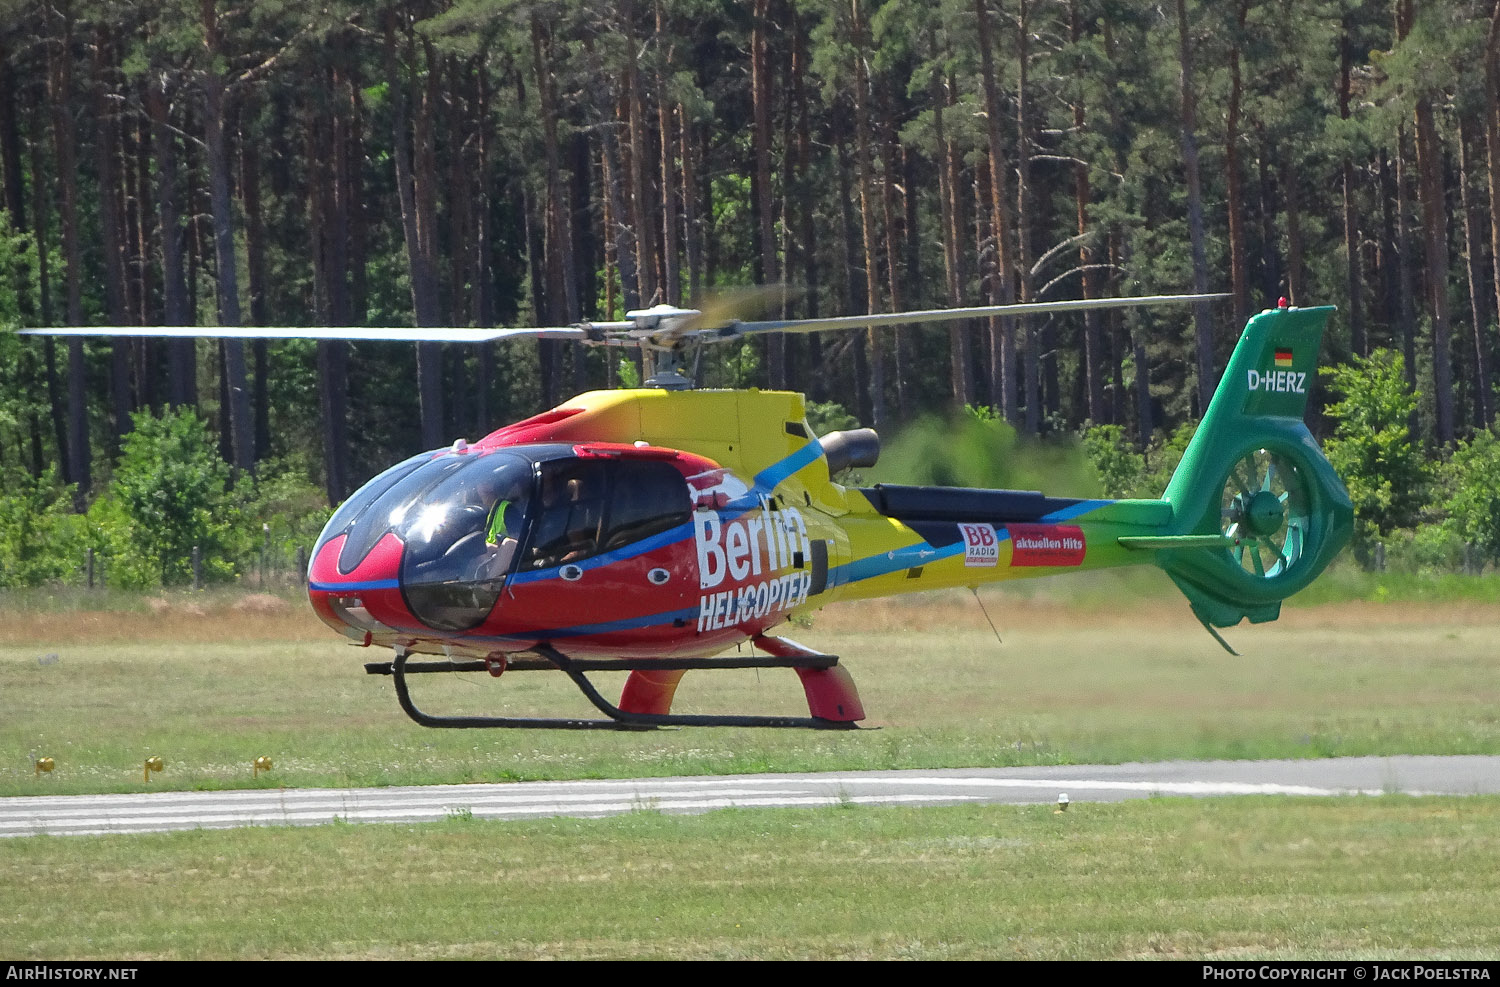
(498, 162)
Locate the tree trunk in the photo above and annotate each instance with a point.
(1484, 414)
(10, 144)
(616, 193)
(960, 359)
(1435, 229)
(1093, 329)
(1492, 143)
(1270, 270)
(40, 196)
(1033, 368)
(40, 223)
(142, 220)
(891, 217)
(1404, 274)
(864, 165)
(181, 353)
(1208, 377)
(556, 230)
(641, 213)
(112, 236)
(806, 206)
(1239, 276)
(1002, 330)
(260, 315)
(60, 85)
(1295, 250)
(760, 96)
(693, 233)
(847, 288)
(671, 248)
(1354, 283)
(330, 203)
(417, 235)
(241, 425)
(216, 145)
(483, 291)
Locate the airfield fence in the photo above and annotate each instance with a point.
(268, 569)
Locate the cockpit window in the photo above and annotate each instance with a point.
(461, 534)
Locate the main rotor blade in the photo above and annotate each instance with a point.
(951, 314)
(724, 306)
(434, 334)
(708, 325)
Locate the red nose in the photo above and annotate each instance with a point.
(365, 600)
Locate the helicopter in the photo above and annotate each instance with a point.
(652, 529)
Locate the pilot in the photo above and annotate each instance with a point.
(501, 535)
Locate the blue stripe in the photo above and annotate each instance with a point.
(669, 537)
(1068, 513)
(893, 561)
(353, 587)
(767, 479)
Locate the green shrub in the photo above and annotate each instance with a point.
(1120, 468)
(1124, 473)
(172, 492)
(1471, 482)
(41, 540)
(1428, 548)
(279, 511)
(1372, 449)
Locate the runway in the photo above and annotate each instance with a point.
(78, 815)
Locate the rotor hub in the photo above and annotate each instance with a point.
(1264, 514)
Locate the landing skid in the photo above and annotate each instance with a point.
(618, 719)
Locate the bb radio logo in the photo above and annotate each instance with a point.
(981, 545)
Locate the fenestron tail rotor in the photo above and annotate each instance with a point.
(1254, 480)
(1265, 513)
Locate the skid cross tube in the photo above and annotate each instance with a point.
(611, 664)
(619, 719)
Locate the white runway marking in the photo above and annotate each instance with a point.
(161, 811)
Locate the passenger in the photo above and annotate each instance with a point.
(567, 524)
(582, 530)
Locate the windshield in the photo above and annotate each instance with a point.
(461, 532)
(357, 509)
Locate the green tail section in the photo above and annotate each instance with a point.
(1254, 476)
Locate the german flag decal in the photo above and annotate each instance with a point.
(1283, 357)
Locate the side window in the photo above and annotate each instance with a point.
(648, 498)
(591, 506)
(571, 511)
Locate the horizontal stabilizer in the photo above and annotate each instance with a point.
(1175, 541)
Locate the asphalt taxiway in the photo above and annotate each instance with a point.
(65, 815)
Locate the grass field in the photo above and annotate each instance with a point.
(1111, 672)
(211, 685)
(1236, 878)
